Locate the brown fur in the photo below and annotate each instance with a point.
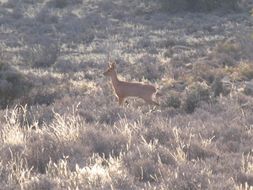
(125, 89)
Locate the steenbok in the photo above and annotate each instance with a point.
(130, 89)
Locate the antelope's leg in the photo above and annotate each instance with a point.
(121, 100)
(151, 101)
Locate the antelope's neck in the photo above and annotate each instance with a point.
(114, 79)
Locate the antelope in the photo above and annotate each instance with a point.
(125, 89)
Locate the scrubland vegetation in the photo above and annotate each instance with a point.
(61, 126)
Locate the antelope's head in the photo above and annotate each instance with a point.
(110, 70)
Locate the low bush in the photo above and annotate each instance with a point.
(191, 176)
(218, 88)
(246, 70)
(61, 4)
(146, 68)
(104, 143)
(196, 94)
(199, 5)
(13, 85)
(206, 72)
(42, 55)
(173, 101)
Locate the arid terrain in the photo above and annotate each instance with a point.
(61, 125)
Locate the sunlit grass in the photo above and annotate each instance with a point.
(62, 127)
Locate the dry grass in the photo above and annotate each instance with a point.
(61, 126)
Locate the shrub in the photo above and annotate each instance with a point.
(12, 85)
(199, 5)
(207, 5)
(104, 143)
(46, 99)
(42, 56)
(143, 165)
(246, 70)
(217, 87)
(229, 51)
(173, 5)
(173, 101)
(47, 16)
(207, 72)
(232, 50)
(110, 116)
(146, 170)
(197, 152)
(191, 176)
(39, 182)
(160, 132)
(148, 68)
(40, 150)
(61, 4)
(197, 94)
